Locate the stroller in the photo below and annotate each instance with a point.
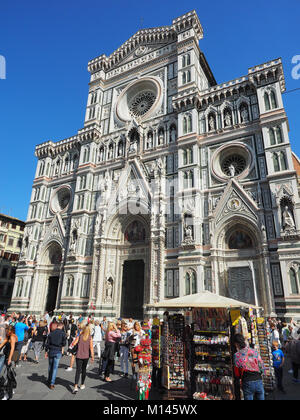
(7, 383)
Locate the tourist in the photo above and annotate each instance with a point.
(104, 325)
(55, 343)
(130, 324)
(39, 336)
(111, 336)
(8, 347)
(72, 331)
(73, 347)
(248, 367)
(293, 349)
(80, 319)
(97, 338)
(275, 335)
(20, 328)
(278, 362)
(2, 329)
(85, 348)
(135, 338)
(124, 348)
(26, 341)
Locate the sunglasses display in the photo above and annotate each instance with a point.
(212, 375)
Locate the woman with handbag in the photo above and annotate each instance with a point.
(39, 336)
(124, 349)
(136, 336)
(111, 337)
(9, 347)
(84, 350)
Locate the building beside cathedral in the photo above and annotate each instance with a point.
(175, 185)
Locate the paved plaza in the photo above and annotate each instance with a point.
(31, 379)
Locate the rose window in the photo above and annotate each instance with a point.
(141, 103)
(61, 199)
(233, 163)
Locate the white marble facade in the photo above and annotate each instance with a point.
(192, 179)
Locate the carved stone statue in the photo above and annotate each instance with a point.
(108, 291)
(161, 137)
(133, 147)
(212, 124)
(101, 156)
(149, 140)
(173, 134)
(244, 114)
(231, 168)
(227, 119)
(188, 233)
(288, 221)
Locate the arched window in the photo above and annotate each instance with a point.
(194, 283)
(188, 59)
(278, 135)
(190, 179)
(267, 102)
(185, 157)
(183, 61)
(70, 286)
(294, 282)
(283, 162)
(187, 284)
(20, 288)
(86, 154)
(188, 76)
(273, 99)
(183, 77)
(272, 136)
(276, 162)
(42, 167)
(184, 125)
(190, 155)
(190, 124)
(185, 180)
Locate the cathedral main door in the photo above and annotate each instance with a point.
(52, 293)
(133, 289)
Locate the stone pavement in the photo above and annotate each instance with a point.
(31, 379)
(292, 390)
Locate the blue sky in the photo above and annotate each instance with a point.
(47, 46)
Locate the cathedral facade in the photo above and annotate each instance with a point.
(175, 185)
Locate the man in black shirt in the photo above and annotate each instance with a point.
(55, 343)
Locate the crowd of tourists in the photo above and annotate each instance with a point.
(80, 338)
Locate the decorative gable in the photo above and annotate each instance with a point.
(235, 201)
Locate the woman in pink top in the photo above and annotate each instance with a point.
(85, 349)
(111, 337)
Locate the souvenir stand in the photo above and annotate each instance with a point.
(156, 351)
(144, 352)
(265, 349)
(173, 361)
(208, 351)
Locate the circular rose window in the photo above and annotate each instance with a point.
(61, 199)
(233, 160)
(141, 103)
(140, 99)
(233, 164)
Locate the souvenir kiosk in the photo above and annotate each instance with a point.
(197, 347)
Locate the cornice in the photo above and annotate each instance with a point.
(159, 35)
